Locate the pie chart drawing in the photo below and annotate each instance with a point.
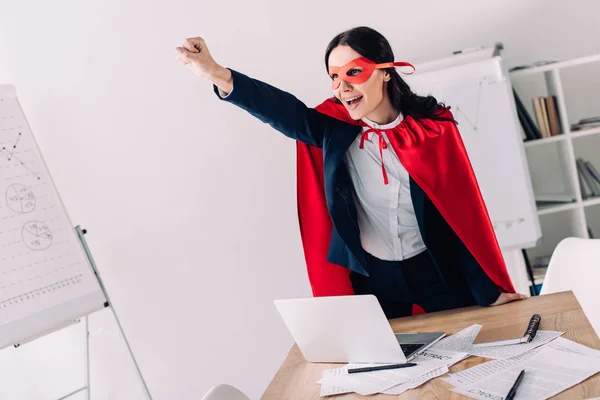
(36, 235)
(20, 199)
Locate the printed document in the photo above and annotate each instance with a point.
(549, 370)
(463, 342)
(430, 364)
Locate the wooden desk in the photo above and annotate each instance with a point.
(560, 312)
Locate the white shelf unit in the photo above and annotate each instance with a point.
(552, 161)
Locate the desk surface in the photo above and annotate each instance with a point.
(560, 312)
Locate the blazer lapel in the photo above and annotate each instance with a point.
(418, 199)
(338, 145)
(340, 199)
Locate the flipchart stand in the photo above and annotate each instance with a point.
(80, 234)
(478, 53)
(46, 282)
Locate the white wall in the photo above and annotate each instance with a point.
(190, 203)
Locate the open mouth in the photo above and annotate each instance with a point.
(353, 102)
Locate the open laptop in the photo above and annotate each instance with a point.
(345, 329)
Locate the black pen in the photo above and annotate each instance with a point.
(380, 367)
(513, 389)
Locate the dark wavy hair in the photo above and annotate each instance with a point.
(373, 45)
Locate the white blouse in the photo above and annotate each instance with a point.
(386, 217)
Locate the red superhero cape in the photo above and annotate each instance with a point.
(434, 155)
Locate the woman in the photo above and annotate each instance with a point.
(406, 221)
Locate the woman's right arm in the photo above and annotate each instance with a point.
(280, 109)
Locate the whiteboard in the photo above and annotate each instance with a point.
(480, 95)
(46, 280)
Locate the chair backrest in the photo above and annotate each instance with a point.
(575, 265)
(224, 392)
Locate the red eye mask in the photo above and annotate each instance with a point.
(364, 69)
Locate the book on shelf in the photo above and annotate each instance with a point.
(587, 186)
(546, 114)
(529, 128)
(586, 123)
(539, 109)
(547, 119)
(593, 170)
(584, 191)
(589, 178)
(553, 198)
(552, 113)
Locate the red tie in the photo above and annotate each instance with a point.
(382, 145)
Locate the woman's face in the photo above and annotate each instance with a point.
(359, 99)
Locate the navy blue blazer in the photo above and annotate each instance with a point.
(284, 112)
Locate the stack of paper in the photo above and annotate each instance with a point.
(430, 364)
(549, 370)
(463, 341)
(552, 364)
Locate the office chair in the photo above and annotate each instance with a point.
(575, 265)
(224, 392)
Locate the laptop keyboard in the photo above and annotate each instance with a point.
(408, 349)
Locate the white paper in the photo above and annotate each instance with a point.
(461, 341)
(572, 347)
(328, 389)
(438, 357)
(482, 371)
(416, 382)
(434, 362)
(551, 370)
(513, 350)
(366, 383)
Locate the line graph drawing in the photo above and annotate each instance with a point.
(474, 124)
(14, 147)
(20, 199)
(36, 235)
(468, 100)
(9, 153)
(471, 114)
